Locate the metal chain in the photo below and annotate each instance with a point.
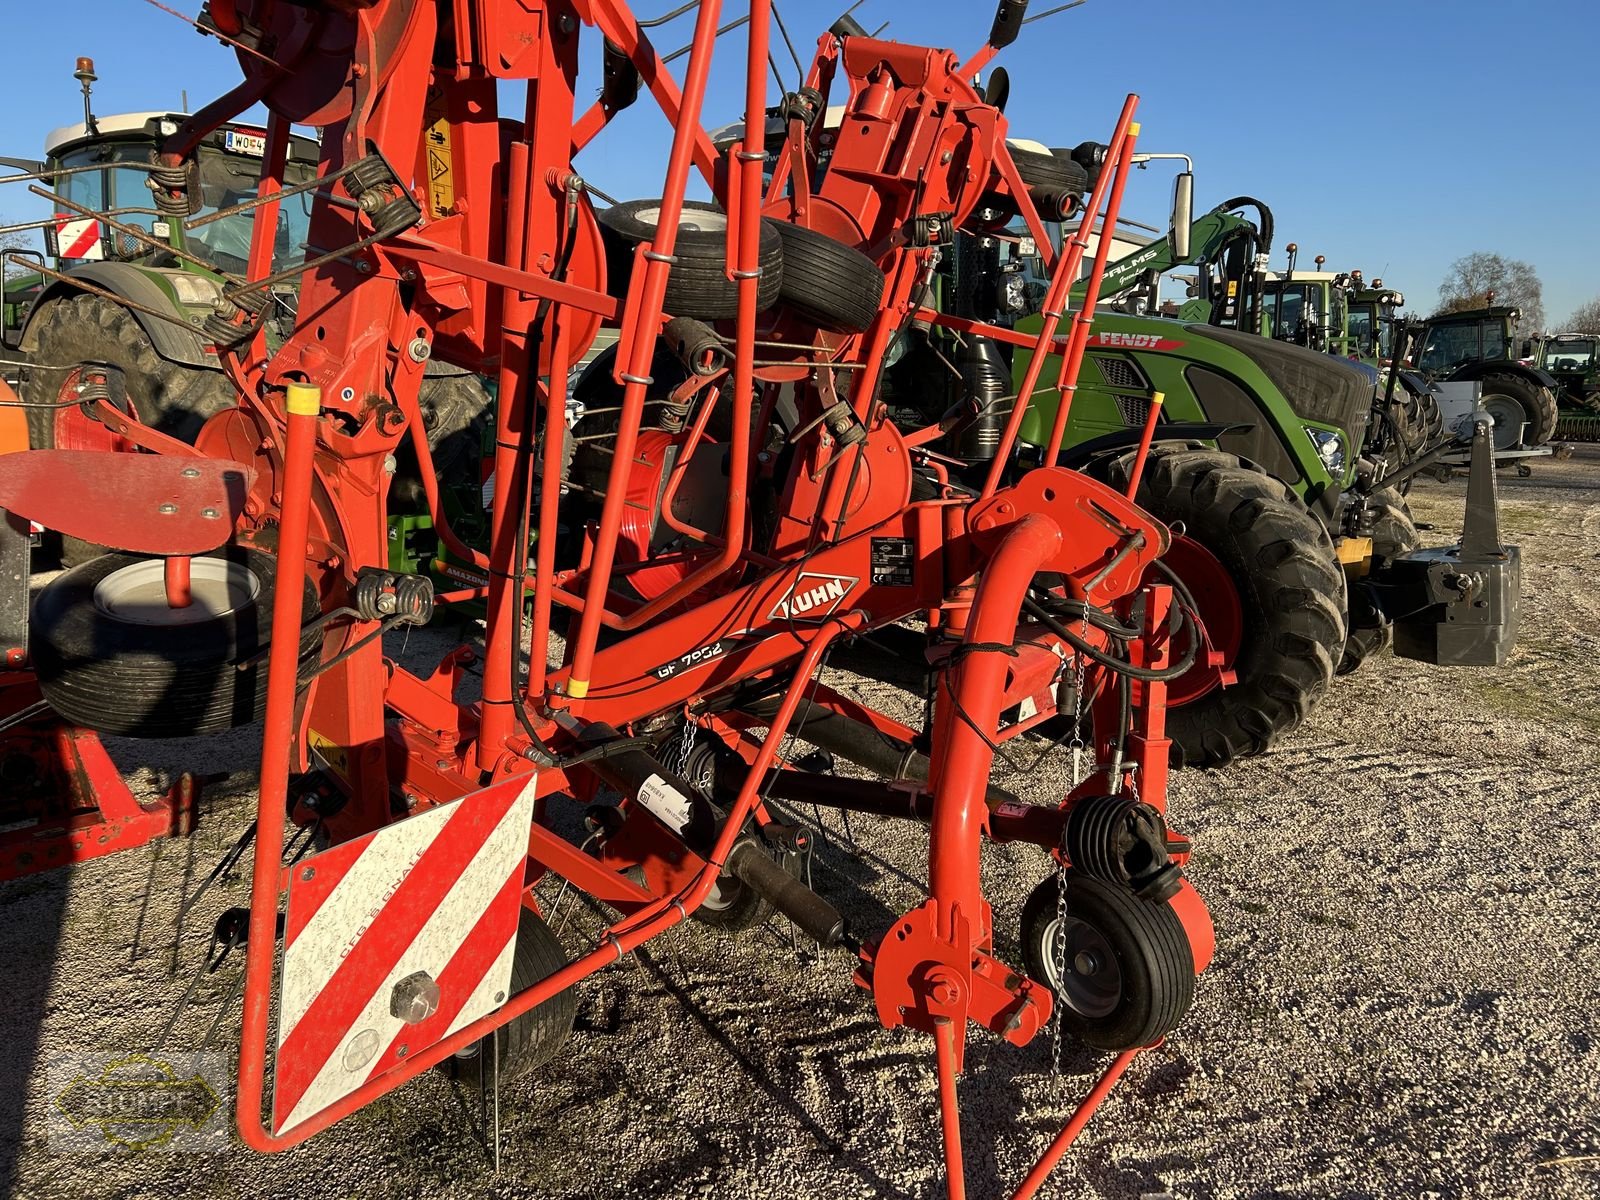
(1076, 746)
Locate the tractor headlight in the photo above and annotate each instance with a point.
(1330, 449)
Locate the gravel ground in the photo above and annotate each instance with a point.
(1402, 1004)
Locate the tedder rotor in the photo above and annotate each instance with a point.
(740, 508)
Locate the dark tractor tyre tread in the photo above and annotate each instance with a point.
(155, 681)
(172, 398)
(1539, 403)
(456, 411)
(698, 285)
(832, 285)
(1419, 427)
(1052, 172)
(1393, 533)
(1293, 603)
(1151, 948)
(537, 1036)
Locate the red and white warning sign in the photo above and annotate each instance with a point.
(394, 941)
(78, 237)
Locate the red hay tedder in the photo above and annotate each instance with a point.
(741, 508)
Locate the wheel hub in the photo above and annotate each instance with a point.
(137, 594)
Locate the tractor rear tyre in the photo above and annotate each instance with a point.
(1129, 968)
(1263, 573)
(1522, 411)
(535, 1037)
(85, 330)
(1393, 533)
(112, 656)
(830, 284)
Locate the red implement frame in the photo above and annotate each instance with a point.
(501, 275)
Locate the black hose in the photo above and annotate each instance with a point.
(1095, 654)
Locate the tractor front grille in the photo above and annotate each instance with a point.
(1118, 372)
(1133, 410)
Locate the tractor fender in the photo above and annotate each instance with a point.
(1118, 442)
(176, 342)
(1477, 370)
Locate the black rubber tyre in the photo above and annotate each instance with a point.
(1418, 426)
(832, 285)
(698, 285)
(1130, 968)
(170, 397)
(103, 671)
(1538, 405)
(1054, 172)
(456, 411)
(1291, 594)
(1393, 532)
(535, 1037)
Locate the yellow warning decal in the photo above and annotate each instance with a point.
(334, 757)
(436, 147)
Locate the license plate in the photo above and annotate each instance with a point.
(244, 143)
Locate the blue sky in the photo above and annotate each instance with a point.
(1391, 136)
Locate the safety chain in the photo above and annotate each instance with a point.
(1076, 746)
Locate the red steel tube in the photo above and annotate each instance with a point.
(955, 1175)
(1139, 459)
(969, 695)
(175, 578)
(1055, 302)
(302, 404)
(1058, 1148)
(1072, 360)
(642, 323)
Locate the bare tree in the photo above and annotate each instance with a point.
(14, 241)
(1471, 278)
(1585, 318)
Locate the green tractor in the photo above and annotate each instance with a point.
(1296, 545)
(126, 285)
(1476, 346)
(1573, 361)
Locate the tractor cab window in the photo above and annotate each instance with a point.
(227, 180)
(1294, 313)
(1449, 346)
(1363, 325)
(1568, 354)
(1495, 342)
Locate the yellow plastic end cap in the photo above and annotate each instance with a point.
(304, 399)
(1158, 399)
(1133, 128)
(577, 688)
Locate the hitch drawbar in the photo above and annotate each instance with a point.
(687, 814)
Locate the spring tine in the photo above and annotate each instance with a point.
(224, 864)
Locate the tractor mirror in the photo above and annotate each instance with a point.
(1182, 214)
(1007, 23)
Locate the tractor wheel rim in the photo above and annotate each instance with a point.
(1221, 613)
(1508, 420)
(698, 219)
(76, 430)
(1092, 987)
(137, 594)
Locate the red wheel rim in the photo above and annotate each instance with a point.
(1216, 595)
(74, 429)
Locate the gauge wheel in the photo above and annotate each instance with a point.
(113, 656)
(1129, 972)
(534, 1038)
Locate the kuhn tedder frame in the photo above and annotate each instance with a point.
(440, 228)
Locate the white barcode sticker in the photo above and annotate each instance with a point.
(666, 802)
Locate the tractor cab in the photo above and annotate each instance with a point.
(1308, 308)
(1450, 341)
(1370, 321)
(104, 168)
(1573, 360)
